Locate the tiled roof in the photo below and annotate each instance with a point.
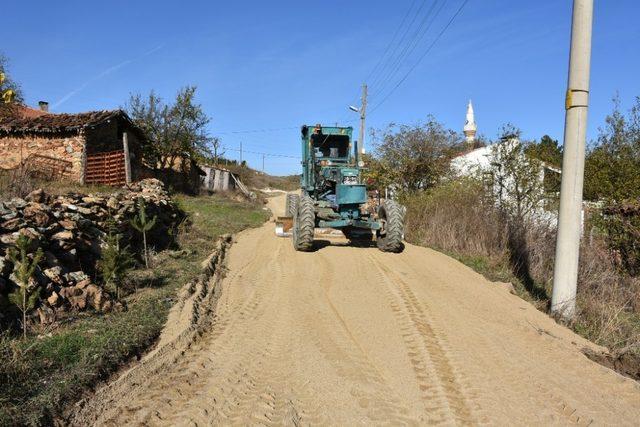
(17, 121)
(28, 112)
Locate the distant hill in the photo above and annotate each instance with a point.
(259, 180)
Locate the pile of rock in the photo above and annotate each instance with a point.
(70, 229)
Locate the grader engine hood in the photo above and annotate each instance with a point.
(347, 189)
(340, 175)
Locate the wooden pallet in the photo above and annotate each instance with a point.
(105, 168)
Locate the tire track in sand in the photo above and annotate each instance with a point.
(438, 381)
(550, 395)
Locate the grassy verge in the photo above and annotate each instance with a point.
(41, 374)
(501, 271)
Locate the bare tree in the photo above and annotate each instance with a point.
(175, 130)
(517, 178)
(217, 149)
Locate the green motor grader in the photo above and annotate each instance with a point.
(332, 194)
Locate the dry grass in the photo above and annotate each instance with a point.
(17, 183)
(457, 219)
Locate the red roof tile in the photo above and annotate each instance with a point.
(27, 120)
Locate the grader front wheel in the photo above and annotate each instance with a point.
(291, 204)
(303, 225)
(389, 238)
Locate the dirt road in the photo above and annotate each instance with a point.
(349, 335)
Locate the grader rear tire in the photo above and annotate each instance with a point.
(389, 239)
(291, 205)
(304, 221)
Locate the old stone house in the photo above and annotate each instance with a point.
(97, 147)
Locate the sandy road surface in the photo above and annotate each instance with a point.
(349, 335)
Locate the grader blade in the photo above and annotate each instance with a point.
(283, 226)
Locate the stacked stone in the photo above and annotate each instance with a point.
(70, 229)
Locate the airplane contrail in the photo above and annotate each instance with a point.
(102, 74)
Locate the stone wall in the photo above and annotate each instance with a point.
(71, 229)
(65, 148)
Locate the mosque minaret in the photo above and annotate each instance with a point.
(470, 127)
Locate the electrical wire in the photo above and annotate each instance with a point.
(257, 130)
(444, 29)
(391, 58)
(262, 154)
(395, 34)
(426, 23)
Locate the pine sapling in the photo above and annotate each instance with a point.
(143, 224)
(115, 260)
(26, 296)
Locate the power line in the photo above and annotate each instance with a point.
(411, 47)
(262, 154)
(396, 60)
(395, 34)
(391, 57)
(455, 15)
(257, 130)
(230, 132)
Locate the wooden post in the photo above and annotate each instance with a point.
(83, 165)
(127, 158)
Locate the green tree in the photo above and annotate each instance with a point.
(612, 167)
(115, 261)
(175, 131)
(27, 294)
(414, 157)
(143, 224)
(547, 150)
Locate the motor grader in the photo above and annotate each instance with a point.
(333, 196)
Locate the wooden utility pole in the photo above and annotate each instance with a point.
(127, 158)
(262, 162)
(363, 116)
(565, 272)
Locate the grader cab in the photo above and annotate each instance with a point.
(332, 194)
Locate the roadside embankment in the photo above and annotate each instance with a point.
(44, 374)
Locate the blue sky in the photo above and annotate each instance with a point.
(278, 64)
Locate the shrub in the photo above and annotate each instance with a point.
(457, 217)
(620, 223)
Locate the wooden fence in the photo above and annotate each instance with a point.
(105, 168)
(46, 167)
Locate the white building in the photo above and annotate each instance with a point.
(481, 163)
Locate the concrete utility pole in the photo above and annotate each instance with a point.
(363, 116)
(565, 272)
(241, 152)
